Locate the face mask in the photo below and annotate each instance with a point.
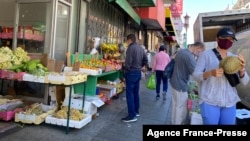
(225, 43)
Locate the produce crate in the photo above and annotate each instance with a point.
(16, 76)
(72, 123)
(36, 119)
(10, 105)
(4, 74)
(33, 78)
(67, 78)
(119, 88)
(9, 115)
(82, 57)
(90, 71)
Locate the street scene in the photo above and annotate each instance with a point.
(102, 70)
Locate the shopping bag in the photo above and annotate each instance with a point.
(196, 119)
(151, 84)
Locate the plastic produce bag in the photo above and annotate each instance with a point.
(151, 84)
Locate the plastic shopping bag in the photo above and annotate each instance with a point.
(196, 119)
(151, 84)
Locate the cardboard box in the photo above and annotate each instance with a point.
(108, 90)
(90, 104)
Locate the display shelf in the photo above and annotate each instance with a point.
(81, 83)
(92, 80)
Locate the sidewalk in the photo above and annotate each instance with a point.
(105, 127)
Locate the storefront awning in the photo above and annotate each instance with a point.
(153, 17)
(128, 9)
(169, 24)
(142, 3)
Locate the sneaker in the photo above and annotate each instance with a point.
(129, 119)
(164, 96)
(157, 97)
(137, 115)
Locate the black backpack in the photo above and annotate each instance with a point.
(168, 71)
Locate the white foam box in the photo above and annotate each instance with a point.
(72, 123)
(67, 78)
(108, 90)
(90, 105)
(32, 118)
(91, 71)
(33, 78)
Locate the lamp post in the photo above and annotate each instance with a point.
(186, 25)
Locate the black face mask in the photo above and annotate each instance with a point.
(225, 43)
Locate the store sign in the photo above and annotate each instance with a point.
(176, 8)
(178, 24)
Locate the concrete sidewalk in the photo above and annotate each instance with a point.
(107, 126)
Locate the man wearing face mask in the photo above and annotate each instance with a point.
(217, 96)
(183, 68)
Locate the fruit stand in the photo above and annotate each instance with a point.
(19, 67)
(92, 81)
(98, 69)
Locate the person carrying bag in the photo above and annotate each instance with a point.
(151, 84)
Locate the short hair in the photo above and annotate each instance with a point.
(199, 44)
(131, 37)
(162, 48)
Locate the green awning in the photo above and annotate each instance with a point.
(142, 3)
(128, 9)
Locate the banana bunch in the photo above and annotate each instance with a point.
(109, 47)
(74, 114)
(32, 66)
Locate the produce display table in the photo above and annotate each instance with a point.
(67, 80)
(91, 83)
(70, 95)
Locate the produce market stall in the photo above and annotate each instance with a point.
(67, 79)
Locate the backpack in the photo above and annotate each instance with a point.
(168, 71)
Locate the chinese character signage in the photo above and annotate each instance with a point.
(176, 8)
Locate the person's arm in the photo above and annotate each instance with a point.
(145, 60)
(244, 78)
(199, 73)
(128, 58)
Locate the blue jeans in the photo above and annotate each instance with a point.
(215, 115)
(159, 78)
(132, 92)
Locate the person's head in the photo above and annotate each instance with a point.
(131, 38)
(225, 38)
(157, 47)
(162, 48)
(121, 48)
(197, 47)
(140, 42)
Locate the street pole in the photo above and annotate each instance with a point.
(186, 45)
(186, 25)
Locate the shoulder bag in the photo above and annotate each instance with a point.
(233, 79)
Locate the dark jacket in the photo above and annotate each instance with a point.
(136, 58)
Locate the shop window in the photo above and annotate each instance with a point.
(62, 31)
(31, 21)
(32, 26)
